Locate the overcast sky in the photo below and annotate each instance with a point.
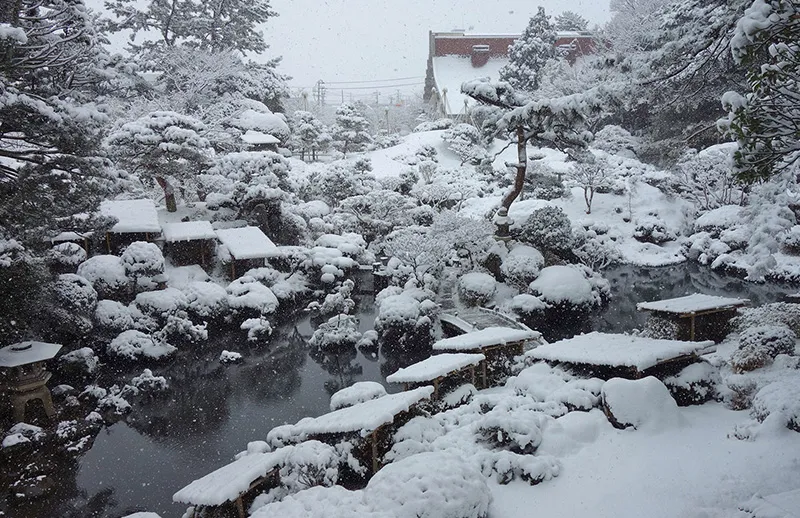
(383, 40)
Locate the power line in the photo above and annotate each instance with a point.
(375, 87)
(373, 81)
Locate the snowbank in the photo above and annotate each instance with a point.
(643, 404)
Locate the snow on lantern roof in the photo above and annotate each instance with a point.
(132, 215)
(256, 137)
(695, 303)
(364, 417)
(434, 367)
(616, 350)
(230, 481)
(188, 231)
(24, 353)
(488, 337)
(247, 243)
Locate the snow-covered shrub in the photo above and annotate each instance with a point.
(438, 124)
(82, 361)
(258, 328)
(781, 399)
(740, 391)
(521, 266)
(206, 300)
(642, 404)
(574, 286)
(548, 228)
(544, 185)
(466, 142)
(147, 382)
(777, 313)
(142, 262)
(759, 345)
(247, 295)
(337, 302)
(790, 239)
(180, 328)
(430, 485)
(75, 293)
(476, 288)
(113, 316)
(519, 431)
(230, 357)
(406, 317)
(66, 255)
(133, 345)
(339, 331)
(695, 384)
(106, 273)
(357, 393)
(22, 433)
(595, 251)
(525, 305)
(160, 304)
(616, 140)
(652, 229)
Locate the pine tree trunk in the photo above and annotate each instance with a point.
(169, 194)
(522, 166)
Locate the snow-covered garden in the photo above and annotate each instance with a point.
(230, 267)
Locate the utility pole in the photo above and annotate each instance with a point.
(387, 120)
(305, 100)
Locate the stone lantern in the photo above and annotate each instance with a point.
(24, 376)
(503, 224)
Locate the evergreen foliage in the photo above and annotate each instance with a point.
(528, 55)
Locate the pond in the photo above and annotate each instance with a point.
(213, 410)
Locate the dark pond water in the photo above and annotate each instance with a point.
(212, 411)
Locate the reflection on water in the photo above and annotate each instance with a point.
(212, 410)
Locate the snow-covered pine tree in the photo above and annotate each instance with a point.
(212, 26)
(49, 68)
(570, 21)
(308, 132)
(351, 129)
(529, 53)
(160, 146)
(766, 120)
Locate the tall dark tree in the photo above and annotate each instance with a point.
(211, 25)
(528, 55)
(766, 120)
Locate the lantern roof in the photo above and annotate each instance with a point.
(24, 353)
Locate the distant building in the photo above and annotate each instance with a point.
(455, 57)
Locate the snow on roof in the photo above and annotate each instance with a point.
(230, 481)
(364, 417)
(616, 350)
(779, 505)
(257, 137)
(133, 215)
(694, 303)
(247, 243)
(450, 71)
(487, 337)
(188, 231)
(434, 367)
(71, 236)
(27, 352)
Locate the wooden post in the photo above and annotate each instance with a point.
(485, 382)
(240, 507)
(233, 268)
(691, 329)
(436, 388)
(108, 243)
(472, 374)
(375, 465)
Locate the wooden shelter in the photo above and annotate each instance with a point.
(698, 316)
(499, 345)
(24, 375)
(81, 239)
(232, 484)
(137, 220)
(615, 355)
(369, 422)
(189, 242)
(447, 368)
(248, 247)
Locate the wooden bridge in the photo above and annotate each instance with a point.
(458, 319)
